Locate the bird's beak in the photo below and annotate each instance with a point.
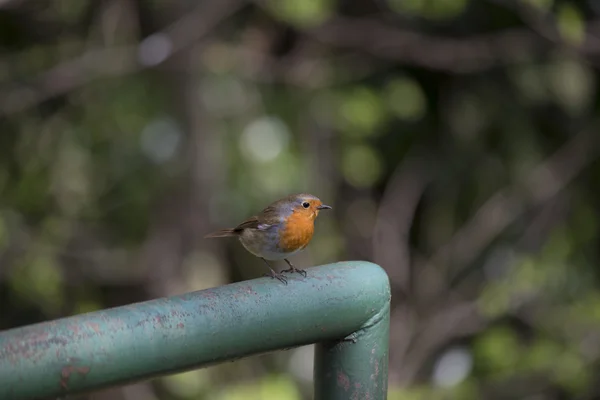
(323, 207)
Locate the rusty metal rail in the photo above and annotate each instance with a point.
(124, 344)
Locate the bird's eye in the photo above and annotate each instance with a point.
(306, 204)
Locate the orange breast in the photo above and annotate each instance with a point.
(297, 232)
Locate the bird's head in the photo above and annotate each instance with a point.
(307, 204)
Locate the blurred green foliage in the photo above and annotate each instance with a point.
(431, 126)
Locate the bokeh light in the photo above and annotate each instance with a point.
(456, 140)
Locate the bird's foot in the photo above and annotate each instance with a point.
(276, 275)
(293, 269)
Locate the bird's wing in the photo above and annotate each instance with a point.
(270, 216)
(263, 221)
(250, 223)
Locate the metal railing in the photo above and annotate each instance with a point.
(344, 308)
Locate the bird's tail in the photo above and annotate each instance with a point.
(221, 233)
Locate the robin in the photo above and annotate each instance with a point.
(283, 228)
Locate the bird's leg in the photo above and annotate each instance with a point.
(274, 274)
(293, 269)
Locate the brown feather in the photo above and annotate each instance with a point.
(222, 233)
(251, 222)
(269, 216)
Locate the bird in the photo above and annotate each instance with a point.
(283, 228)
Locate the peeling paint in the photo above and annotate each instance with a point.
(66, 372)
(198, 329)
(343, 380)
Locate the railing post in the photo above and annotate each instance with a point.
(356, 368)
(139, 341)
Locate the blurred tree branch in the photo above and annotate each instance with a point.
(391, 242)
(10, 3)
(542, 184)
(457, 55)
(114, 61)
(261, 64)
(438, 313)
(545, 23)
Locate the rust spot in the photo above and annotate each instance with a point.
(74, 329)
(31, 346)
(343, 380)
(66, 372)
(209, 293)
(356, 393)
(180, 325)
(375, 375)
(95, 327)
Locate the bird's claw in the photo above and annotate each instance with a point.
(294, 269)
(274, 274)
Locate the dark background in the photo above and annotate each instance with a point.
(456, 140)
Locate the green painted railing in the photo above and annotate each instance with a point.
(342, 307)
